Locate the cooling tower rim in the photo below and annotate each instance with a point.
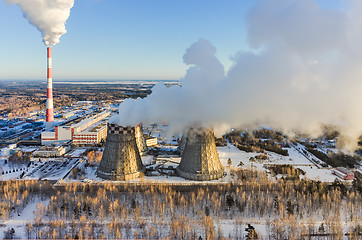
(120, 130)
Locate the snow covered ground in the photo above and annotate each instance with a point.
(295, 158)
(10, 171)
(50, 169)
(53, 169)
(18, 221)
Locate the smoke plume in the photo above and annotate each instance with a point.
(48, 16)
(303, 69)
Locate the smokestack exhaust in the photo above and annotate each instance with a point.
(49, 111)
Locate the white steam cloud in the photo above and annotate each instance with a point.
(49, 16)
(304, 69)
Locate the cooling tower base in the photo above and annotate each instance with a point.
(118, 177)
(200, 176)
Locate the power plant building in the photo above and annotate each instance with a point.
(82, 131)
(51, 151)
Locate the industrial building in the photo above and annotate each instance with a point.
(82, 130)
(51, 151)
(151, 141)
(343, 173)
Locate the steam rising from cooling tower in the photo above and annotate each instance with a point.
(302, 69)
(48, 16)
(121, 158)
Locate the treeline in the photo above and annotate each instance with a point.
(289, 209)
(248, 143)
(160, 211)
(336, 159)
(288, 170)
(269, 134)
(15, 195)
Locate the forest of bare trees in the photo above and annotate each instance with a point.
(283, 210)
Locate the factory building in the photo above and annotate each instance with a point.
(93, 135)
(90, 129)
(151, 141)
(343, 173)
(51, 151)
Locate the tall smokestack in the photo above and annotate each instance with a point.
(49, 112)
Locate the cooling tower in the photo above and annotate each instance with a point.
(200, 160)
(121, 159)
(182, 144)
(49, 121)
(140, 140)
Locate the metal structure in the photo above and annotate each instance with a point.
(121, 158)
(49, 111)
(200, 160)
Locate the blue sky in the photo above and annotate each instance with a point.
(124, 39)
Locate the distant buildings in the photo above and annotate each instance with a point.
(51, 151)
(151, 141)
(85, 130)
(343, 173)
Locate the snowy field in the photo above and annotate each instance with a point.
(295, 158)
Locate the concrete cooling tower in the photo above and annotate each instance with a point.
(200, 160)
(140, 140)
(182, 144)
(121, 158)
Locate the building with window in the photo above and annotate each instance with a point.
(343, 173)
(90, 129)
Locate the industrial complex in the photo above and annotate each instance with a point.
(85, 130)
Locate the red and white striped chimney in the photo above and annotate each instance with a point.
(49, 111)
